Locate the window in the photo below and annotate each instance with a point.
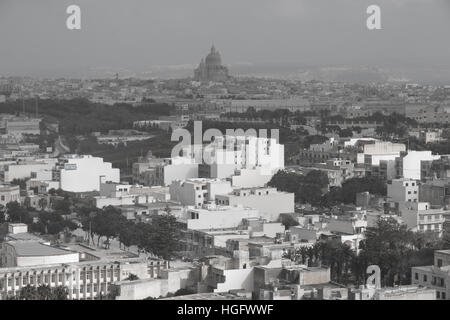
(443, 296)
(424, 278)
(439, 263)
(416, 276)
(438, 295)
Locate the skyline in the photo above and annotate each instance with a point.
(174, 35)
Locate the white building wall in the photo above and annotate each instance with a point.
(412, 162)
(220, 218)
(237, 279)
(45, 260)
(82, 174)
(179, 172)
(269, 205)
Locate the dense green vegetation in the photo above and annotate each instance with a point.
(43, 292)
(80, 116)
(311, 188)
(307, 189)
(160, 237)
(388, 245)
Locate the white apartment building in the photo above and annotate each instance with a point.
(380, 150)
(117, 194)
(268, 201)
(218, 217)
(196, 192)
(229, 153)
(9, 193)
(250, 178)
(422, 217)
(179, 168)
(24, 169)
(82, 173)
(409, 165)
(403, 190)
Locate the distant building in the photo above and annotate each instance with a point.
(211, 68)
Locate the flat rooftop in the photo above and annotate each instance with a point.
(34, 249)
(207, 296)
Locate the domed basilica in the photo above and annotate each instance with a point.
(211, 68)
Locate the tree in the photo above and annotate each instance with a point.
(287, 220)
(129, 234)
(43, 292)
(162, 239)
(16, 213)
(388, 245)
(2, 214)
(60, 293)
(52, 223)
(132, 277)
(28, 293)
(307, 189)
(107, 223)
(63, 206)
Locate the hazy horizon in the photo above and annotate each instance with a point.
(150, 37)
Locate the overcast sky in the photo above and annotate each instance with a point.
(141, 34)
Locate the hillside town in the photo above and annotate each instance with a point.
(349, 202)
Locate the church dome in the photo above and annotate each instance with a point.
(213, 58)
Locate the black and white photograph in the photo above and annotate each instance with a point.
(214, 157)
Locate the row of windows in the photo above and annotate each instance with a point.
(32, 279)
(435, 281)
(440, 295)
(46, 278)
